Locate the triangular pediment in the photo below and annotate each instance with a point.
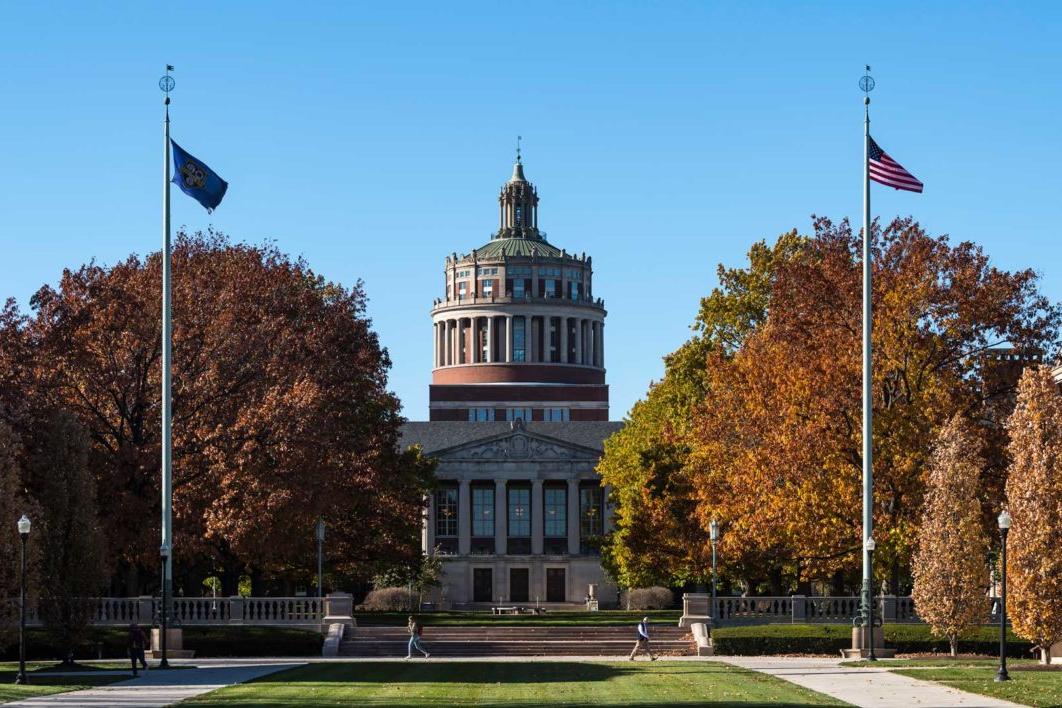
(518, 444)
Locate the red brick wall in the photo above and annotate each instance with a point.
(503, 373)
(517, 393)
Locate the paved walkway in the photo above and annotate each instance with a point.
(870, 687)
(155, 689)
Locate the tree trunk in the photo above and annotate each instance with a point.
(953, 640)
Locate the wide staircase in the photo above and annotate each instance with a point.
(514, 641)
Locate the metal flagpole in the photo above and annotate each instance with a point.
(867, 84)
(166, 83)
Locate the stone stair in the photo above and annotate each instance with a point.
(514, 641)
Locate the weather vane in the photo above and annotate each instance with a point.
(866, 82)
(166, 83)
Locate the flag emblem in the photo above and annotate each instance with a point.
(197, 180)
(885, 170)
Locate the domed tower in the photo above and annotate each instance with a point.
(518, 334)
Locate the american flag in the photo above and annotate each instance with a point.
(887, 171)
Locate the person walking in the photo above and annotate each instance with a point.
(137, 643)
(416, 629)
(642, 640)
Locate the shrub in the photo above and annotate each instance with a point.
(388, 600)
(752, 640)
(252, 641)
(654, 598)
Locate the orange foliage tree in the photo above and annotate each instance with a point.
(281, 411)
(1034, 500)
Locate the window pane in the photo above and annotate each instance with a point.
(556, 511)
(519, 511)
(591, 517)
(519, 339)
(482, 511)
(446, 512)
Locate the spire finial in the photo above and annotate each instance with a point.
(866, 84)
(518, 139)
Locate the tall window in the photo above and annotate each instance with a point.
(446, 512)
(486, 287)
(523, 414)
(574, 289)
(549, 287)
(555, 508)
(519, 215)
(482, 511)
(518, 288)
(480, 415)
(519, 511)
(519, 340)
(462, 289)
(555, 415)
(591, 516)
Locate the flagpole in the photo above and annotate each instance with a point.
(868, 427)
(166, 83)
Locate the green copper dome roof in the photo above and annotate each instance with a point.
(518, 247)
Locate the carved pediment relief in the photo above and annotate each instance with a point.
(519, 446)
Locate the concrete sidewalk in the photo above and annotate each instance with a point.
(871, 687)
(155, 689)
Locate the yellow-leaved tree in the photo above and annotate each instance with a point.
(1034, 499)
(949, 568)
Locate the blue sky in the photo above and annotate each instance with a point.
(664, 138)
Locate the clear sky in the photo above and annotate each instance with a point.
(664, 138)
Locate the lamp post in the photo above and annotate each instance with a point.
(23, 532)
(1004, 527)
(320, 556)
(714, 535)
(163, 613)
(870, 546)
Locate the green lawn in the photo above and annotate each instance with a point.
(974, 662)
(603, 618)
(1029, 685)
(515, 684)
(43, 684)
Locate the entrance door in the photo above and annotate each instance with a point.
(555, 585)
(482, 585)
(518, 585)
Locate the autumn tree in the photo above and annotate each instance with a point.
(1034, 500)
(281, 412)
(72, 562)
(11, 509)
(950, 561)
(772, 440)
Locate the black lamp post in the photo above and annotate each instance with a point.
(714, 534)
(870, 546)
(1004, 527)
(23, 532)
(320, 556)
(164, 614)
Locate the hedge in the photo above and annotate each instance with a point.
(112, 643)
(767, 639)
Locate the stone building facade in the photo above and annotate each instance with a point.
(518, 416)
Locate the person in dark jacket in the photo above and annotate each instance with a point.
(641, 642)
(137, 644)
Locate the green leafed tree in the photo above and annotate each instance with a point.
(950, 570)
(1034, 499)
(72, 563)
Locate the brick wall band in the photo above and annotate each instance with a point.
(517, 373)
(517, 393)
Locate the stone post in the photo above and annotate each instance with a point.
(339, 609)
(236, 603)
(799, 606)
(888, 608)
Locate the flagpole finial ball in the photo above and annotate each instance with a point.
(866, 83)
(166, 83)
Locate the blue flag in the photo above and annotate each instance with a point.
(196, 179)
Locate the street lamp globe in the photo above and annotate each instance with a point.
(24, 525)
(714, 530)
(870, 545)
(1004, 520)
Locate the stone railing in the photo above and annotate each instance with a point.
(205, 611)
(793, 608)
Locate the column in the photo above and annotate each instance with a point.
(532, 338)
(501, 508)
(564, 340)
(537, 517)
(435, 345)
(509, 338)
(573, 517)
(460, 343)
(429, 525)
(578, 341)
(464, 517)
(597, 343)
(491, 354)
(601, 345)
